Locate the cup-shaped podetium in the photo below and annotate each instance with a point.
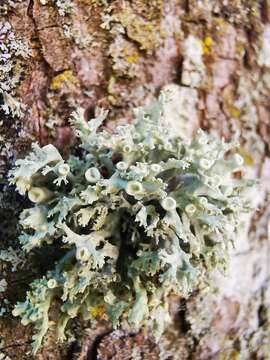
(92, 175)
(39, 194)
(168, 203)
(134, 188)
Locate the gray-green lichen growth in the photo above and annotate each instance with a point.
(140, 215)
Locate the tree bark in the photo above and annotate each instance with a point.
(215, 56)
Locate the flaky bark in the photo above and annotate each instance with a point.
(119, 55)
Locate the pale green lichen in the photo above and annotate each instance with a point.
(140, 215)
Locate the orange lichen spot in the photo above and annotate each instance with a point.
(66, 76)
(98, 312)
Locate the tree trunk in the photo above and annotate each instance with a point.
(215, 57)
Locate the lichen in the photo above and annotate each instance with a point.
(13, 52)
(66, 76)
(125, 57)
(142, 31)
(64, 7)
(82, 39)
(194, 71)
(180, 108)
(8, 6)
(140, 215)
(207, 43)
(249, 117)
(263, 57)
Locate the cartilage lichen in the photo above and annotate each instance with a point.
(140, 215)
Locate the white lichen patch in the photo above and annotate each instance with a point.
(125, 57)
(78, 33)
(180, 109)
(12, 53)
(64, 7)
(194, 71)
(263, 57)
(251, 90)
(12, 50)
(3, 285)
(12, 106)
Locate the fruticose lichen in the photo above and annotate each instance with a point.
(139, 215)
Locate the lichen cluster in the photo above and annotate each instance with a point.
(64, 7)
(13, 53)
(136, 216)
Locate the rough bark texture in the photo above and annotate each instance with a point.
(119, 54)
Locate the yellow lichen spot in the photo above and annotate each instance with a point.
(205, 50)
(133, 58)
(255, 12)
(248, 160)
(220, 21)
(66, 76)
(234, 355)
(235, 112)
(143, 32)
(229, 355)
(207, 43)
(98, 312)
